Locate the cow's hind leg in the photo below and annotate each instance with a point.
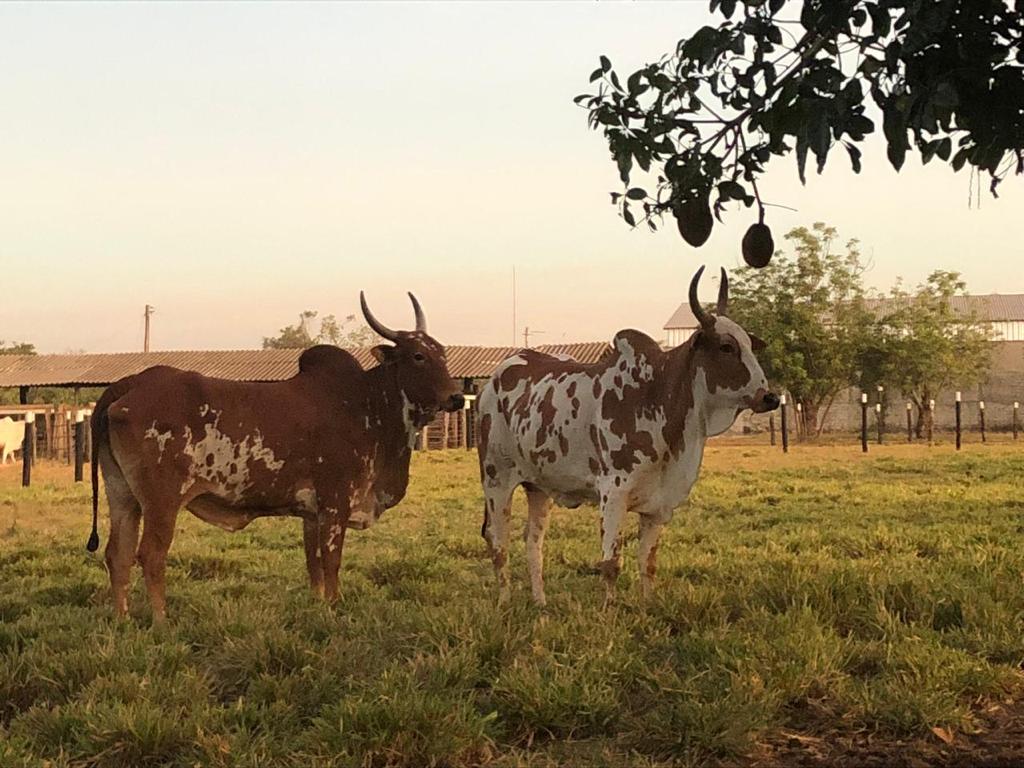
(647, 551)
(314, 563)
(497, 531)
(157, 533)
(124, 533)
(613, 512)
(332, 541)
(536, 526)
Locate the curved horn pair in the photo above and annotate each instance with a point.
(382, 330)
(706, 320)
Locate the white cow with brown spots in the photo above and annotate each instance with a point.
(626, 433)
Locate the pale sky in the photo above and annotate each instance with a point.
(233, 164)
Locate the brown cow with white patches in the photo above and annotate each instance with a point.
(626, 433)
(330, 445)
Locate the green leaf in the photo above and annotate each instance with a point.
(625, 163)
(731, 190)
(896, 154)
(881, 22)
(801, 158)
(628, 216)
(854, 153)
(636, 193)
(605, 64)
(596, 74)
(895, 128)
(634, 84)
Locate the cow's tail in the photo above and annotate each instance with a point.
(100, 426)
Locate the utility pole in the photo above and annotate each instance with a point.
(526, 336)
(145, 342)
(513, 304)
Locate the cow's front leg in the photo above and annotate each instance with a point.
(332, 519)
(613, 512)
(540, 508)
(314, 563)
(647, 551)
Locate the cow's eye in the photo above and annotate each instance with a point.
(727, 349)
(419, 357)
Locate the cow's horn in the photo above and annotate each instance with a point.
(703, 317)
(723, 293)
(379, 328)
(421, 319)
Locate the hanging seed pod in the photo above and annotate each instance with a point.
(693, 217)
(758, 245)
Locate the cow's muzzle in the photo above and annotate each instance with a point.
(764, 401)
(454, 403)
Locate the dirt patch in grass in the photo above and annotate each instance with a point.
(996, 742)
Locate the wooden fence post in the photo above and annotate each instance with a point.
(1016, 410)
(981, 418)
(785, 430)
(51, 444)
(28, 449)
(79, 445)
(931, 422)
(958, 420)
(880, 412)
(88, 435)
(910, 425)
(771, 428)
(799, 421)
(864, 422)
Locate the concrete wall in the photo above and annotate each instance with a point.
(1004, 386)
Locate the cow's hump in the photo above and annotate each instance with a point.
(326, 358)
(637, 341)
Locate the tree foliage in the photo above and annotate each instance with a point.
(17, 348)
(926, 345)
(777, 77)
(346, 333)
(813, 349)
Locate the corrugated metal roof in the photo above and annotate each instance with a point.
(989, 308)
(239, 364)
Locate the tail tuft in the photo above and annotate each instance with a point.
(94, 542)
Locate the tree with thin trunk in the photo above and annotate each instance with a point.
(345, 333)
(926, 345)
(813, 350)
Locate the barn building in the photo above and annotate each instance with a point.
(471, 365)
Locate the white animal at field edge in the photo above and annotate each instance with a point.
(12, 433)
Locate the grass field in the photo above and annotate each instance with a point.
(822, 607)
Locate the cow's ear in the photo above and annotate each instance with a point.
(383, 353)
(756, 343)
